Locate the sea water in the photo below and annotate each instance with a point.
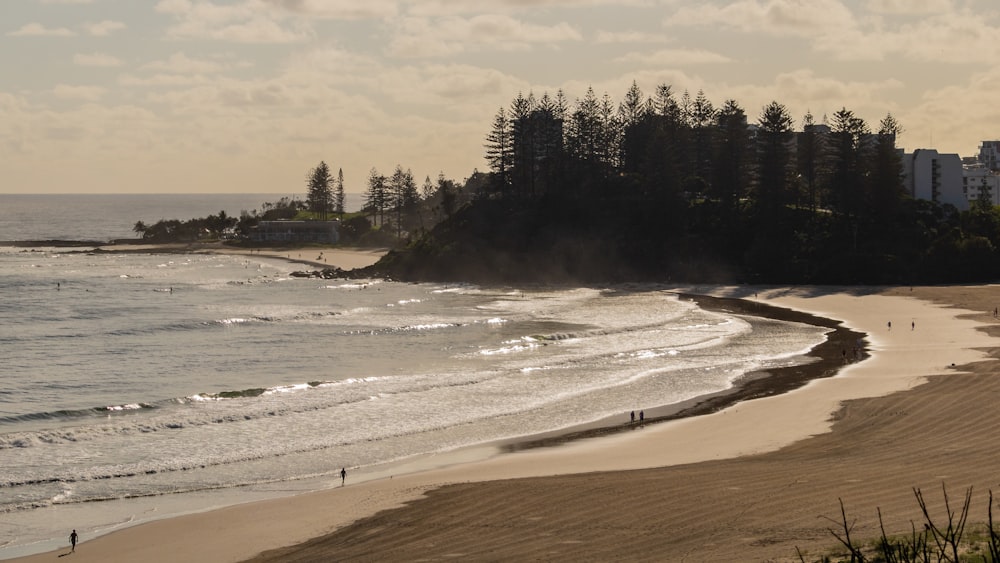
(162, 384)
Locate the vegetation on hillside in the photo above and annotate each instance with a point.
(666, 187)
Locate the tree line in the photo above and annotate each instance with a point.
(682, 149)
(670, 185)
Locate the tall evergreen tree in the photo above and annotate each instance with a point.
(523, 147)
(547, 128)
(405, 198)
(669, 148)
(610, 137)
(447, 192)
(847, 150)
(586, 137)
(377, 196)
(886, 191)
(633, 107)
(339, 197)
(701, 116)
(319, 198)
(500, 151)
(774, 159)
(731, 170)
(635, 117)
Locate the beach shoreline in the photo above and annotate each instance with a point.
(750, 385)
(308, 516)
(825, 360)
(745, 496)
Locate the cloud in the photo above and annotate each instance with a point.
(422, 37)
(949, 117)
(179, 63)
(103, 28)
(919, 30)
(39, 30)
(674, 57)
(248, 21)
(84, 93)
(910, 7)
(96, 60)
(339, 9)
(805, 86)
(439, 8)
(629, 37)
(800, 18)
(162, 80)
(960, 37)
(447, 85)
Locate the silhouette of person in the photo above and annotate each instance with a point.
(632, 414)
(72, 540)
(343, 476)
(642, 416)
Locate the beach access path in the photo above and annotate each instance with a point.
(752, 482)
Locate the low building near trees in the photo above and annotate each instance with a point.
(326, 232)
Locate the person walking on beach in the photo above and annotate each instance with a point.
(632, 415)
(642, 416)
(72, 541)
(343, 476)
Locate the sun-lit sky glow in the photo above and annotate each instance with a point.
(182, 96)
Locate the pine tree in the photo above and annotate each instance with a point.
(376, 197)
(847, 155)
(338, 194)
(731, 169)
(774, 158)
(887, 190)
(500, 151)
(319, 198)
(701, 116)
(404, 196)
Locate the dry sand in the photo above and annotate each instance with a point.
(750, 483)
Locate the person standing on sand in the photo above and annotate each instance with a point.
(632, 414)
(343, 476)
(72, 541)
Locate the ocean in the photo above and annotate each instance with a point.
(161, 384)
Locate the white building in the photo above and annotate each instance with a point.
(936, 177)
(980, 181)
(989, 155)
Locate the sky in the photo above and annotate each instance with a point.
(247, 96)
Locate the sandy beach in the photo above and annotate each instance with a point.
(751, 482)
